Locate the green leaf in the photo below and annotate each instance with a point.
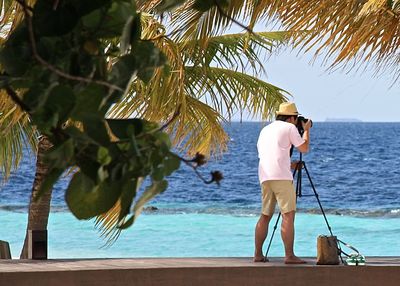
(87, 164)
(61, 100)
(171, 163)
(49, 20)
(49, 181)
(79, 137)
(125, 40)
(149, 57)
(163, 140)
(16, 56)
(103, 156)
(123, 70)
(85, 7)
(144, 58)
(154, 189)
(127, 223)
(87, 200)
(61, 156)
(94, 126)
(89, 100)
(157, 174)
(119, 127)
(36, 97)
(102, 174)
(128, 193)
(131, 33)
(110, 23)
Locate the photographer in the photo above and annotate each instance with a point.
(276, 178)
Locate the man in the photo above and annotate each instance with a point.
(276, 178)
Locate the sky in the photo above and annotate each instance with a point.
(320, 94)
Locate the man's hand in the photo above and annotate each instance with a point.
(306, 125)
(296, 164)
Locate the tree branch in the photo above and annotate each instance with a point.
(197, 161)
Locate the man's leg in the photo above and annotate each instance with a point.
(287, 232)
(260, 236)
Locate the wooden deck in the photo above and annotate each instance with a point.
(383, 271)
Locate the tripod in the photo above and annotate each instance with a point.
(300, 165)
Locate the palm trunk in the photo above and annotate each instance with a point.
(38, 210)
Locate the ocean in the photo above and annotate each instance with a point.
(353, 166)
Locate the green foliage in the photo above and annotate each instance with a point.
(58, 59)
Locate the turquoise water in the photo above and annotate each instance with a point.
(354, 166)
(200, 235)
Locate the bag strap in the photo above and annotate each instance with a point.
(348, 246)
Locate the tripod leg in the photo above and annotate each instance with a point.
(317, 197)
(273, 233)
(322, 209)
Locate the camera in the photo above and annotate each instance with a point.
(300, 120)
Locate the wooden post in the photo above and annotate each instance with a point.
(37, 244)
(5, 252)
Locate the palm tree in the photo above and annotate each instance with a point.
(190, 83)
(39, 209)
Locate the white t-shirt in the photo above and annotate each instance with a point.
(274, 150)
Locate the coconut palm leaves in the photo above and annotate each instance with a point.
(349, 31)
(16, 129)
(207, 84)
(16, 132)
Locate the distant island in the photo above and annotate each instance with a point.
(342, 120)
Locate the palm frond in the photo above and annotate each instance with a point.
(107, 224)
(234, 50)
(201, 25)
(11, 15)
(198, 125)
(348, 32)
(199, 129)
(227, 91)
(16, 133)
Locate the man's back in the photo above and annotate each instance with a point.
(273, 147)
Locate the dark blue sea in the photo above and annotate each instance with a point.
(354, 167)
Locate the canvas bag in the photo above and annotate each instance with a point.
(327, 250)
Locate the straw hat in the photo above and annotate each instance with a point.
(287, 108)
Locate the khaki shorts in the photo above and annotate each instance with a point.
(278, 191)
